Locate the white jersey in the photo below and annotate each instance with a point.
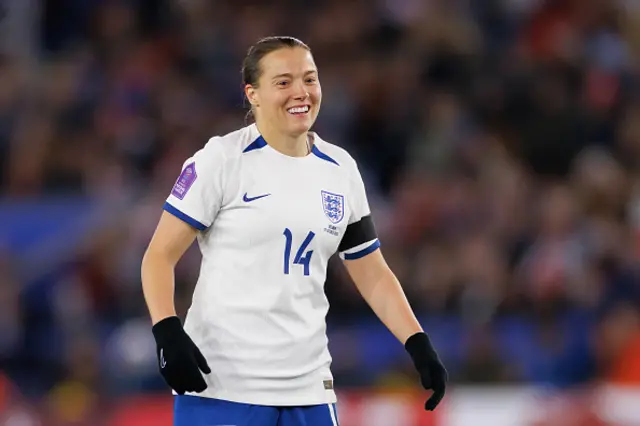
(269, 224)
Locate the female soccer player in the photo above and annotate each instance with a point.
(269, 204)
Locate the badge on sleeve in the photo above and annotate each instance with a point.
(184, 182)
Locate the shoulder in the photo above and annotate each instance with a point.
(229, 146)
(340, 155)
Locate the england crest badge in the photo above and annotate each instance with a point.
(333, 206)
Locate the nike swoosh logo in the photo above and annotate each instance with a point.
(163, 364)
(250, 199)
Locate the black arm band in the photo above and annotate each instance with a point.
(358, 233)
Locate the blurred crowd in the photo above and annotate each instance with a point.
(499, 141)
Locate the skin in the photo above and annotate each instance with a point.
(289, 78)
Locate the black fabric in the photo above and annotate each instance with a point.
(433, 374)
(358, 233)
(179, 359)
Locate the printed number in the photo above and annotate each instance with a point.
(299, 259)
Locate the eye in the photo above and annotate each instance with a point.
(311, 80)
(282, 83)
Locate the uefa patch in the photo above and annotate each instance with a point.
(333, 206)
(184, 182)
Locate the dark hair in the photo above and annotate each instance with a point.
(251, 70)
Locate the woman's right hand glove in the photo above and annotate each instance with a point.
(179, 359)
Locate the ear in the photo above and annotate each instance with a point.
(251, 94)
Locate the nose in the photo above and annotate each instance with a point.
(301, 93)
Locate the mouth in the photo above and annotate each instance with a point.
(299, 111)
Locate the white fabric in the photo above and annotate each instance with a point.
(257, 318)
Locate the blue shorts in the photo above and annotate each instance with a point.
(198, 411)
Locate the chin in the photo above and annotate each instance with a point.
(303, 126)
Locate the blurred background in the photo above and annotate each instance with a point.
(499, 141)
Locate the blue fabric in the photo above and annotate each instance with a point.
(362, 253)
(184, 217)
(198, 411)
(259, 143)
(323, 156)
(314, 415)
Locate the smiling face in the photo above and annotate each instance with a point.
(288, 93)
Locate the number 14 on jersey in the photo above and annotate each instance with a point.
(301, 258)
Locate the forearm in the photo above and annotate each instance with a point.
(158, 286)
(388, 301)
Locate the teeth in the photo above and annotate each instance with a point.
(298, 110)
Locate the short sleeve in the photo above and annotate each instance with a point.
(197, 194)
(361, 237)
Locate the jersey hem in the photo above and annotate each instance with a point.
(243, 398)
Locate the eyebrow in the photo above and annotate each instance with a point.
(289, 75)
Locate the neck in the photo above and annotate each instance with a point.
(293, 146)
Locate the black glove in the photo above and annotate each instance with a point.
(433, 375)
(179, 358)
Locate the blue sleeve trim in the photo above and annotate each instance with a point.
(362, 253)
(184, 217)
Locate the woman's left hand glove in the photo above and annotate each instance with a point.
(433, 374)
